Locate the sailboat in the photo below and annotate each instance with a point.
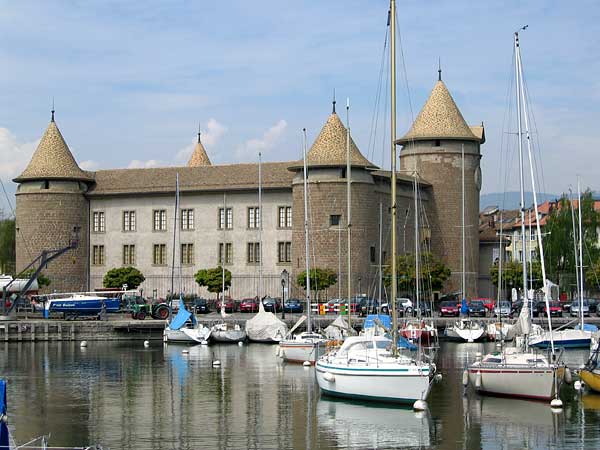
(518, 371)
(590, 373)
(464, 330)
(580, 337)
(306, 346)
(264, 327)
(225, 331)
(370, 367)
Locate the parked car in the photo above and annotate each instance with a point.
(488, 303)
(228, 304)
(249, 305)
(368, 306)
(271, 305)
(503, 309)
(424, 309)
(449, 308)
(200, 306)
(555, 309)
(593, 305)
(575, 308)
(516, 307)
(293, 305)
(539, 308)
(477, 308)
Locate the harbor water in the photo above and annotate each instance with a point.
(127, 396)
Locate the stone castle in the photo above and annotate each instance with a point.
(127, 216)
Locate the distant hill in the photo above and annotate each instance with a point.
(510, 200)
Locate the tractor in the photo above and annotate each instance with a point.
(140, 308)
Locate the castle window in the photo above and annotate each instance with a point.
(160, 220)
(45, 184)
(225, 218)
(372, 254)
(128, 220)
(253, 217)
(129, 255)
(437, 143)
(253, 253)
(98, 255)
(334, 220)
(343, 173)
(225, 252)
(159, 254)
(187, 254)
(284, 252)
(98, 222)
(285, 217)
(187, 219)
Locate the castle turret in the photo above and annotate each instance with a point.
(433, 147)
(199, 156)
(50, 206)
(327, 180)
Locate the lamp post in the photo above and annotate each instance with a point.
(284, 283)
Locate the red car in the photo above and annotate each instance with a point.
(228, 304)
(555, 309)
(248, 305)
(449, 309)
(489, 303)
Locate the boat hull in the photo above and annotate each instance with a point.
(425, 335)
(465, 335)
(520, 382)
(298, 352)
(404, 385)
(591, 379)
(562, 339)
(228, 336)
(186, 335)
(81, 307)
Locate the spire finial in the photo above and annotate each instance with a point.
(52, 118)
(333, 112)
(199, 133)
(439, 69)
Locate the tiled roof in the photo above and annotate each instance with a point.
(199, 157)
(53, 160)
(191, 179)
(440, 118)
(329, 149)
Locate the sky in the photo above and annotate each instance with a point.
(133, 81)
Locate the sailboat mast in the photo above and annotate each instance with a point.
(224, 250)
(521, 174)
(174, 235)
(463, 277)
(260, 260)
(380, 247)
(349, 212)
(417, 265)
(306, 253)
(575, 241)
(533, 188)
(581, 281)
(393, 163)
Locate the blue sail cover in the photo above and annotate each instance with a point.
(464, 307)
(405, 343)
(3, 425)
(183, 315)
(588, 327)
(385, 320)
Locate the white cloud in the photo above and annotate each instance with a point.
(137, 164)
(89, 165)
(264, 144)
(210, 136)
(14, 155)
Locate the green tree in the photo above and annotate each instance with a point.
(7, 246)
(212, 279)
(512, 275)
(432, 272)
(117, 277)
(319, 279)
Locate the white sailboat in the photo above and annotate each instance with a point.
(464, 330)
(580, 337)
(264, 327)
(518, 371)
(371, 367)
(307, 346)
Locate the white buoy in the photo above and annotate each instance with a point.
(185, 351)
(478, 380)
(465, 377)
(216, 363)
(578, 385)
(306, 364)
(420, 405)
(328, 376)
(438, 377)
(83, 344)
(146, 343)
(556, 403)
(568, 376)
(204, 342)
(240, 344)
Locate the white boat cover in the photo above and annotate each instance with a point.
(338, 329)
(265, 326)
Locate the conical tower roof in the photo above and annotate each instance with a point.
(440, 118)
(53, 159)
(329, 149)
(199, 157)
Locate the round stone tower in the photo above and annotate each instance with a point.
(51, 206)
(327, 202)
(433, 148)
